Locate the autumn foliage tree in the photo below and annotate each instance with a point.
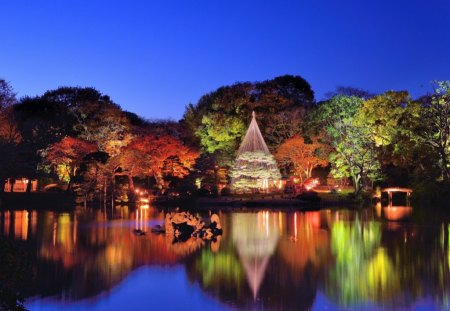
(150, 155)
(301, 156)
(9, 135)
(66, 156)
(96, 118)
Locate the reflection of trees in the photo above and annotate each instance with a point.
(280, 258)
(311, 244)
(220, 273)
(421, 256)
(362, 271)
(251, 264)
(14, 273)
(83, 253)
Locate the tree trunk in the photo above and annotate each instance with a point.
(113, 181)
(445, 168)
(131, 183)
(356, 183)
(28, 190)
(104, 192)
(69, 186)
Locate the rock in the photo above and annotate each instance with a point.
(183, 225)
(215, 219)
(139, 232)
(158, 229)
(182, 231)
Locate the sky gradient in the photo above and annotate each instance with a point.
(155, 57)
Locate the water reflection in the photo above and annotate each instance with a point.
(396, 213)
(255, 237)
(362, 271)
(264, 260)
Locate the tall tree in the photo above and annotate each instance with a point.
(97, 118)
(268, 98)
(301, 156)
(9, 134)
(220, 133)
(149, 155)
(388, 116)
(7, 95)
(435, 129)
(354, 153)
(66, 156)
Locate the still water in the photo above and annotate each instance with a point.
(371, 259)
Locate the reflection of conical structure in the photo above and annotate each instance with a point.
(255, 169)
(256, 239)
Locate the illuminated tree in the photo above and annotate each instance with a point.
(387, 116)
(280, 103)
(354, 153)
(66, 156)
(303, 157)
(94, 176)
(435, 129)
(9, 131)
(220, 132)
(9, 134)
(150, 155)
(96, 118)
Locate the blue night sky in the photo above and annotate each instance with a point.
(155, 57)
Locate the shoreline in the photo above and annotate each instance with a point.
(66, 201)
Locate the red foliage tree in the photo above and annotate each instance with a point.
(301, 156)
(66, 156)
(150, 155)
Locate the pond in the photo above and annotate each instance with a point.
(373, 259)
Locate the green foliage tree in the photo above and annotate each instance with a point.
(435, 126)
(220, 132)
(354, 153)
(387, 116)
(276, 101)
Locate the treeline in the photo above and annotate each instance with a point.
(80, 137)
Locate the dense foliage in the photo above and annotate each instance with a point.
(83, 141)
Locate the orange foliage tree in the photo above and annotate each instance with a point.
(150, 155)
(66, 156)
(9, 132)
(302, 157)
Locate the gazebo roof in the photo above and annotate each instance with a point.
(253, 140)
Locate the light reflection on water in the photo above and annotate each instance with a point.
(271, 260)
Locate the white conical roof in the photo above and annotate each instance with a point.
(253, 140)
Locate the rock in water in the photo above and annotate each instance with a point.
(183, 225)
(138, 232)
